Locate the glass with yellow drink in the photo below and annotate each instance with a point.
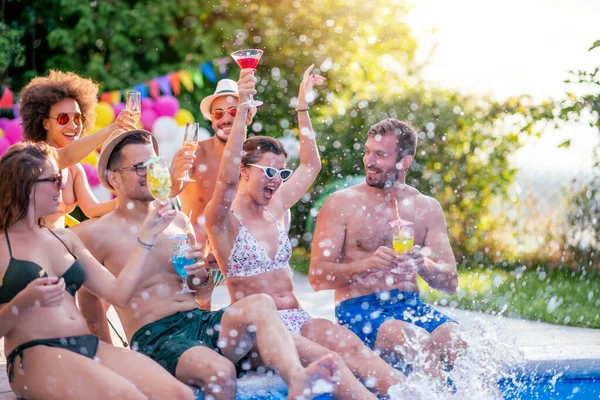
(159, 179)
(402, 241)
(190, 140)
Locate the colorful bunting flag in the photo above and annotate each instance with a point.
(153, 87)
(105, 97)
(164, 85)
(197, 78)
(115, 96)
(208, 71)
(186, 80)
(7, 100)
(175, 82)
(142, 88)
(222, 63)
(167, 84)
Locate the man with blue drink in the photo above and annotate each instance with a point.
(199, 347)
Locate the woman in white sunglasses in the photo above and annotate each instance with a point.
(244, 222)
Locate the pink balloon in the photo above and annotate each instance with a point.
(4, 145)
(92, 175)
(147, 104)
(14, 131)
(118, 107)
(147, 119)
(4, 122)
(166, 106)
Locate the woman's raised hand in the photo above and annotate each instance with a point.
(307, 93)
(246, 86)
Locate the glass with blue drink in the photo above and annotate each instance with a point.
(181, 248)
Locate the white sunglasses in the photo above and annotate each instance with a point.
(271, 172)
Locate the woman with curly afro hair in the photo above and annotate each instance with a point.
(58, 109)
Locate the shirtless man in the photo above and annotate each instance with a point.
(196, 346)
(376, 291)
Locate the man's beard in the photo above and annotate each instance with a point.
(386, 181)
(220, 137)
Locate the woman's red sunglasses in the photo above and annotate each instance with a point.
(63, 118)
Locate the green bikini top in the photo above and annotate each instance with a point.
(21, 272)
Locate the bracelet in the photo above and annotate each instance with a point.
(302, 110)
(145, 245)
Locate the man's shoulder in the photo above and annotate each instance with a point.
(343, 198)
(95, 226)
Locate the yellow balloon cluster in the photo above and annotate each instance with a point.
(105, 114)
(183, 116)
(91, 159)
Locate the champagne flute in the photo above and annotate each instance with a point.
(134, 104)
(181, 248)
(248, 58)
(159, 179)
(191, 139)
(402, 241)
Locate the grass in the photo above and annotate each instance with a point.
(559, 296)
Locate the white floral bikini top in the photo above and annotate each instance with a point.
(248, 257)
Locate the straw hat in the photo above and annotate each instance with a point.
(115, 138)
(225, 87)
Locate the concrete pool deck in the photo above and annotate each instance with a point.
(550, 347)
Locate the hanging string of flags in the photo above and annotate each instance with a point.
(168, 84)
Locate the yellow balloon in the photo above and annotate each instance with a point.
(183, 116)
(91, 159)
(104, 114)
(1, 133)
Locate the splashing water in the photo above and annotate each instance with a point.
(476, 372)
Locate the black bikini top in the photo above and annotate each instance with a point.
(21, 272)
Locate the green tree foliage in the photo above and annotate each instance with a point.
(364, 48)
(11, 51)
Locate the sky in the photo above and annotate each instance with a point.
(514, 47)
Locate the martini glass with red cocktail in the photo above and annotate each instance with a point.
(248, 58)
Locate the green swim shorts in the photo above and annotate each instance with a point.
(167, 339)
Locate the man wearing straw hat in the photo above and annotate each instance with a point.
(376, 289)
(197, 346)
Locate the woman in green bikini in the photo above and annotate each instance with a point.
(51, 353)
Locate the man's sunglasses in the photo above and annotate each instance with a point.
(218, 114)
(271, 172)
(56, 179)
(140, 169)
(63, 118)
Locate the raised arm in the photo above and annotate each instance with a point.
(182, 161)
(86, 200)
(119, 290)
(327, 270)
(79, 149)
(229, 170)
(310, 162)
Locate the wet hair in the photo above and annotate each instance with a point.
(256, 146)
(20, 167)
(406, 136)
(43, 92)
(138, 136)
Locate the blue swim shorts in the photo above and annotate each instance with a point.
(364, 315)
